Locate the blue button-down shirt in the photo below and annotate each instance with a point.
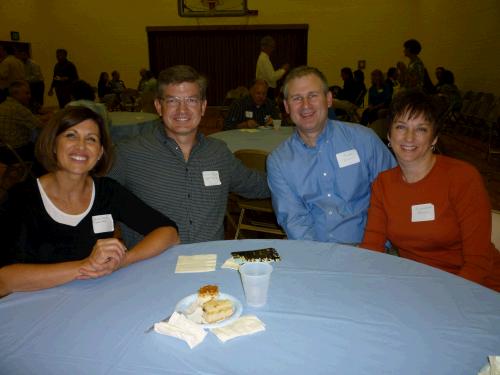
(319, 196)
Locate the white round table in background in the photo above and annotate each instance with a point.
(130, 124)
(257, 139)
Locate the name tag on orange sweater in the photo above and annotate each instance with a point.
(422, 212)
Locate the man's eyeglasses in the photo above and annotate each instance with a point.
(312, 97)
(175, 101)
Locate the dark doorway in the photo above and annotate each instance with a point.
(225, 54)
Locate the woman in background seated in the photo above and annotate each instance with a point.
(103, 86)
(379, 98)
(433, 208)
(60, 227)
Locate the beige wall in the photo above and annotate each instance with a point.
(101, 35)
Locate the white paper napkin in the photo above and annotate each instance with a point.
(249, 130)
(231, 264)
(245, 325)
(182, 328)
(492, 368)
(196, 263)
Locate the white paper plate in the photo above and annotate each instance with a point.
(184, 303)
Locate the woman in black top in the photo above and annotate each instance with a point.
(60, 227)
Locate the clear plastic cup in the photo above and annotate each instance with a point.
(276, 124)
(255, 277)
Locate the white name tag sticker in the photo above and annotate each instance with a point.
(347, 158)
(422, 212)
(248, 114)
(103, 223)
(211, 178)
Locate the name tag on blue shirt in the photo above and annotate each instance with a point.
(103, 223)
(422, 212)
(211, 178)
(347, 158)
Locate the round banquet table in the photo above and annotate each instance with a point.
(130, 124)
(332, 309)
(258, 139)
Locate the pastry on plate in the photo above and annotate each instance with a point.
(207, 293)
(216, 310)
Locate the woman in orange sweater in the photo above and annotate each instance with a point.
(433, 208)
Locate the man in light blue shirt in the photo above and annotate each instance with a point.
(320, 178)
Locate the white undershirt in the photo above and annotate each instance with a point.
(59, 216)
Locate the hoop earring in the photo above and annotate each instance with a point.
(433, 148)
(389, 144)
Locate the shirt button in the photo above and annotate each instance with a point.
(328, 195)
(324, 173)
(330, 212)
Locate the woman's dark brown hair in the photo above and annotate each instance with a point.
(63, 120)
(415, 102)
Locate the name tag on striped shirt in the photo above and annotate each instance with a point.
(211, 178)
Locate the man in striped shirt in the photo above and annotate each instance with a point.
(178, 171)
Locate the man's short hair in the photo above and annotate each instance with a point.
(15, 86)
(258, 81)
(62, 50)
(267, 41)
(302, 71)
(413, 46)
(178, 74)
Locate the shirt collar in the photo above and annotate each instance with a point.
(327, 133)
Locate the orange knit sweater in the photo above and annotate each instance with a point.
(457, 240)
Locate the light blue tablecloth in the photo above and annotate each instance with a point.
(260, 139)
(130, 124)
(332, 310)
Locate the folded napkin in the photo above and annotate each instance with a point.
(492, 368)
(249, 130)
(182, 328)
(245, 325)
(196, 263)
(231, 264)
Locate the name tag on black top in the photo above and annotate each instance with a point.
(103, 223)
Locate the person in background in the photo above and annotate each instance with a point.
(84, 95)
(265, 69)
(379, 98)
(439, 76)
(252, 110)
(60, 227)
(392, 80)
(116, 84)
(415, 75)
(143, 80)
(34, 77)
(65, 74)
(449, 90)
(432, 208)
(11, 70)
(150, 83)
(18, 125)
(320, 177)
(351, 89)
(103, 86)
(188, 176)
(359, 78)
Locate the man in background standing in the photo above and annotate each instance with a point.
(64, 75)
(35, 79)
(265, 69)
